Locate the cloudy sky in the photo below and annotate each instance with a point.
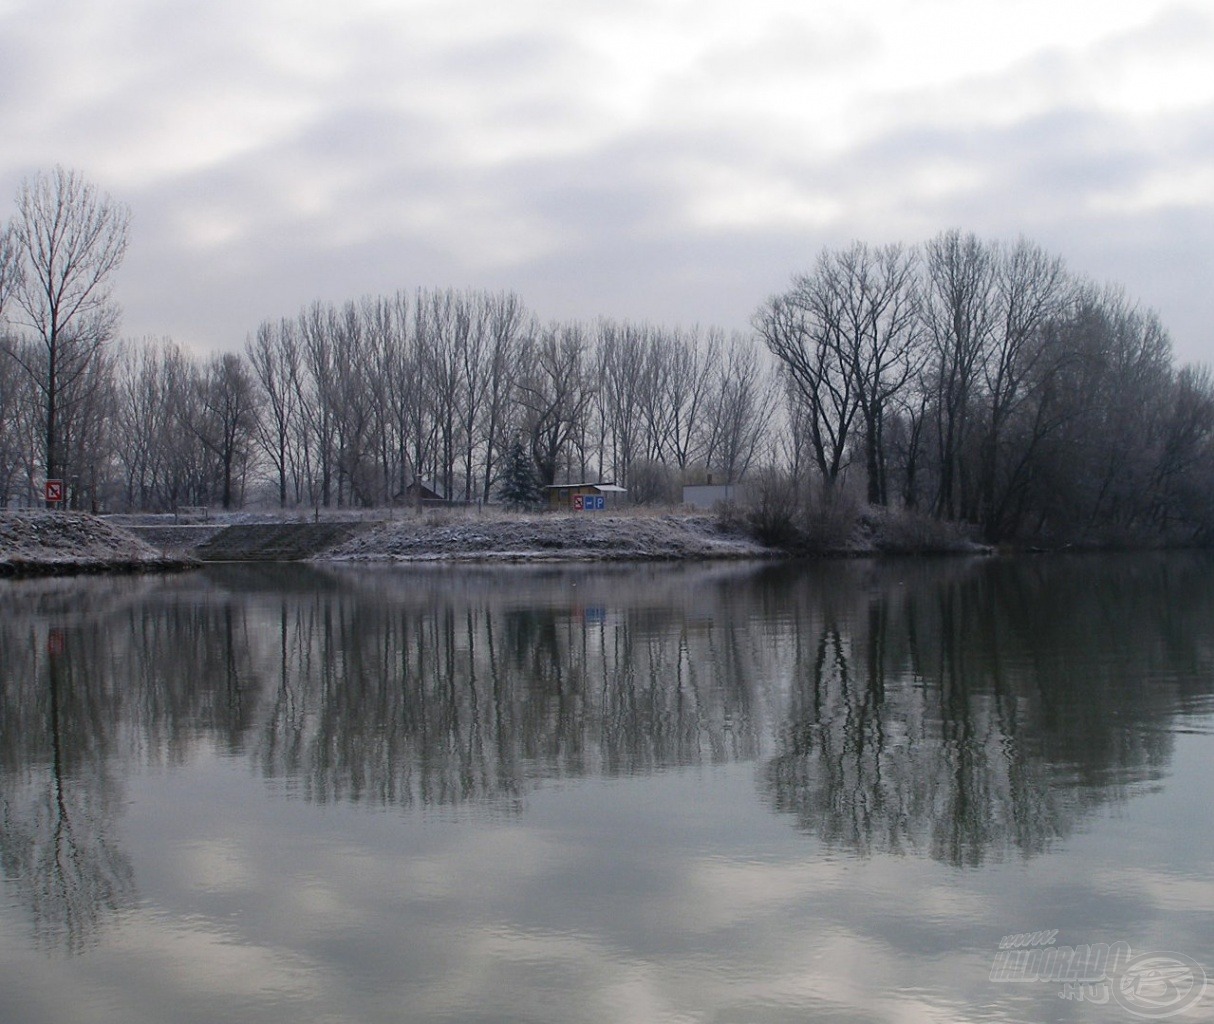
(668, 160)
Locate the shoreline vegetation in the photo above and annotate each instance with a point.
(1008, 400)
(977, 381)
(40, 543)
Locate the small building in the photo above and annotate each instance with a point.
(423, 492)
(585, 497)
(710, 495)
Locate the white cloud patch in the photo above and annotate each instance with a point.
(663, 160)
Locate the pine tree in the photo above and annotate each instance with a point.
(520, 488)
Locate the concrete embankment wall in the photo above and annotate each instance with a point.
(251, 542)
(275, 542)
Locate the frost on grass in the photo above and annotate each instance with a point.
(549, 536)
(67, 540)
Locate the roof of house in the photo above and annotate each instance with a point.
(605, 488)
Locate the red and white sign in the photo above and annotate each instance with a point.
(578, 502)
(54, 490)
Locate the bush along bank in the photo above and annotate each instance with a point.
(838, 525)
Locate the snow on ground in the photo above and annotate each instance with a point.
(44, 541)
(36, 541)
(477, 533)
(499, 536)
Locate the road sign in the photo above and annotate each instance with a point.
(54, 490)
(579, 502)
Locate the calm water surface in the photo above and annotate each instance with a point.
(673, 794)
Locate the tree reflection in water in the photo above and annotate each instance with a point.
(60, 799)
(977, 709)
(959, 709)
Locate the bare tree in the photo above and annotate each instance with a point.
(11, 270)
(1033, 292)
(509, 325)
(226, 419)
(738, 411)
(398, 370)
(86, 431)
(69, 239)
(960, 310)
(472, 342)
(19, 431)
(906, 435)
(554, 393)
(143, 418)
(1184, 468)
(352, 407)
(439, 347)
(866, 304)
(318, 389)
(795, 327)
(620, 359)
(274, 355)
(692, 362)
(1120, 398)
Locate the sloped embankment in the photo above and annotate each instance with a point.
(41, 543)
(276, 542)
(549, 537)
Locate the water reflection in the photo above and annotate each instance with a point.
(60, 796)
(968, 713)
(957, 710)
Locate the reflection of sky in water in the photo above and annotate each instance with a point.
(674, 896)
(668, 893)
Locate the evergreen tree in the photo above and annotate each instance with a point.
(519, 489)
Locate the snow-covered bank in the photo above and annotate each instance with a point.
(36, 542)
(548, 537)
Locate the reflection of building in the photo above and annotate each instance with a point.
(572, 497)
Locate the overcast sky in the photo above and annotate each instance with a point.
(669, 160)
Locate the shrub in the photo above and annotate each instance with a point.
(771, 512)
(651, 482)
(905, 531)
(829, 520)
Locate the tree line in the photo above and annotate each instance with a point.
(973, 380)
(984, 383)
(344, 405)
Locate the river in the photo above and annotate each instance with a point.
(924, 790)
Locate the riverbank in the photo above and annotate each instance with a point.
(450, 535)
(505, 537)
(39, 543)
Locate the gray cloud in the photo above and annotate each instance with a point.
(273, 155)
